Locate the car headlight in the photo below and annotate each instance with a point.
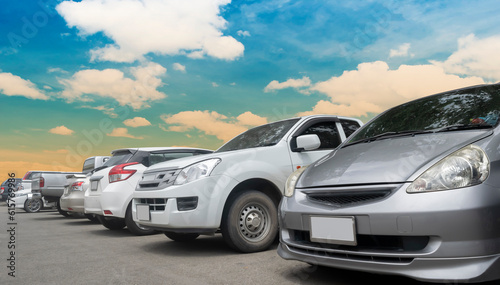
(465, 167)
(292, 181)
(196, 171)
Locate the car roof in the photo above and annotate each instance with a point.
(7, 181)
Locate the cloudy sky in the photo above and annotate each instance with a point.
(81, 78)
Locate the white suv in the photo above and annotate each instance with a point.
(235, 190)
(111, 188)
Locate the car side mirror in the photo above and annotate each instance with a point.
(307, 142)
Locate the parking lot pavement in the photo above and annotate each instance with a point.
(52, 249)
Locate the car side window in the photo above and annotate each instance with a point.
(349, 126)
(327, 133)
(155, 158)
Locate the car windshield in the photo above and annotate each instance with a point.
(471, 108)
(266, 135)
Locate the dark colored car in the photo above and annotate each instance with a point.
(4, 189)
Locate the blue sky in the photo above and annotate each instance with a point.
(83, 78)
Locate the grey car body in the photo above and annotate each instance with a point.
(414, 192)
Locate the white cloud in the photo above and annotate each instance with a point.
(373, 87)
(249, 119)
(475, 57)
(112, 83)
(243, 33)
(122, 132)
(56, 69)
(136, 122)
(215, 84)
(61, 130)
(13, 85)
(403, 50)
(212, 123)
(290, 83)
(179, 67)
(165, 27)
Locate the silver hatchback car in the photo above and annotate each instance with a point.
(414, 192)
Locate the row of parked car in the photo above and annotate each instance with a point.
(413, 192)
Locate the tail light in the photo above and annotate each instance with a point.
(26, 175)
(77, 186)
(118, 173)
(42, 182)
(1, 190)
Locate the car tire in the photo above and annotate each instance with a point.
(61, 211)
(135, 228)
(181, 237)
(112, 223)
(33, 205)
(250, 222)
(92, 218)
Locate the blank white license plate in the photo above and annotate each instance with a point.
(93, 185)
(334, 230)
(143, 212)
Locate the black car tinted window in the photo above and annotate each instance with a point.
(88, 165)
(477, 105)
(118, 158)
(349, 126)
(161, 157)
(265, 135)
(327, 133)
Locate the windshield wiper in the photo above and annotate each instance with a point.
(388, 135)
(463, 127)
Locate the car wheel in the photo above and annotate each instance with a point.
(112, 223)
(181, 237)
(61, 211)
(250, 223)
(135, 228)
(92, 218)
(33, 205)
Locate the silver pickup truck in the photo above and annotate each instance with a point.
(50, 184)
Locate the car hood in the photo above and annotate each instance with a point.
(392, 160)
(234, 155)
(180, 162)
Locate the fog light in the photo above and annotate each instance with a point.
(187, 203)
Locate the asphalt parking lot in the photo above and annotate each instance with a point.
(52, 249)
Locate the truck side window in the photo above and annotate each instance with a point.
(327, 133)
(349, 126)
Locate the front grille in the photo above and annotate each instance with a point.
(351, 198)
(389, 245)
(368, 242)
(158, 179)
(155, 204)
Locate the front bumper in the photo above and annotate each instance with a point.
(441, 236)
(211, 193)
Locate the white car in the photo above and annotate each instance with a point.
(110, 193)
(23, 199)
(236, 190)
